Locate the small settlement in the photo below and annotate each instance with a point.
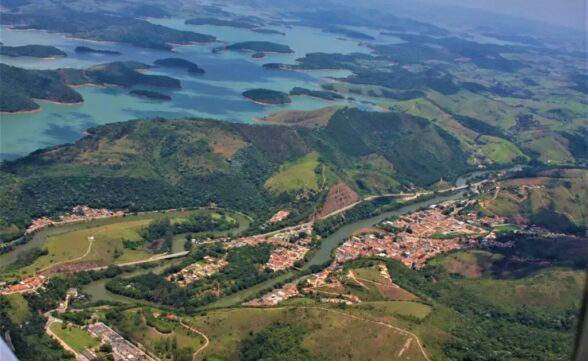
(27, 285)
(198, 270)
(78, 214)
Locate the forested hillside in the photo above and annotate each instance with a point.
(157, 164)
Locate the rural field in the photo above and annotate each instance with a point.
(296, 176)
(332, 332)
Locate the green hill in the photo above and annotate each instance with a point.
(158, 164)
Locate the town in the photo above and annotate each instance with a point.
(412, 239)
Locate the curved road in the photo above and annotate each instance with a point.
(206, 340)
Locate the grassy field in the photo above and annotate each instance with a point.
(332, 333)
(376, 287)
(547, 291)
(75, 337)
(19, 308)
(302, 118)
(297, 175)
(561, 191)
(102, 243)
(470, 264)
(500, 150)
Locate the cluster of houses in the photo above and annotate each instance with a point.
(78, 214)
(417, 237)
(198, 270)
(279, 216)
(286, 257)
(27, 285)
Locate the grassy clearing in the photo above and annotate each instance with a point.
(548, 291)
(470, 264)
(500, 150)
(550, 149)
(19, 308)
(75, 337)
(297, 175)
(331, 332)
(302, 118)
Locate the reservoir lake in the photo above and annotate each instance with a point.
(216, 94)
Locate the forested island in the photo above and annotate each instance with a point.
(34, 51)
(21, 86)
(257, 46)
(191, 67)
(347, 32)
(236, 23)
(149, 94)
(85, 49)
(321, 94)
(267, 96)
(105, 27)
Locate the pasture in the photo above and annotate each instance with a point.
(296, 176)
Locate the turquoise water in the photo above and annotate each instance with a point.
(216, 94)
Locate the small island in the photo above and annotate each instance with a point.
(257, 46)
(34, 51)
(347, 32)
(258, 55)
(149, 94)
(267, 96)
(320, 94)
(85, 49)
(267, 31)
(236, 23)
(191, 67)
